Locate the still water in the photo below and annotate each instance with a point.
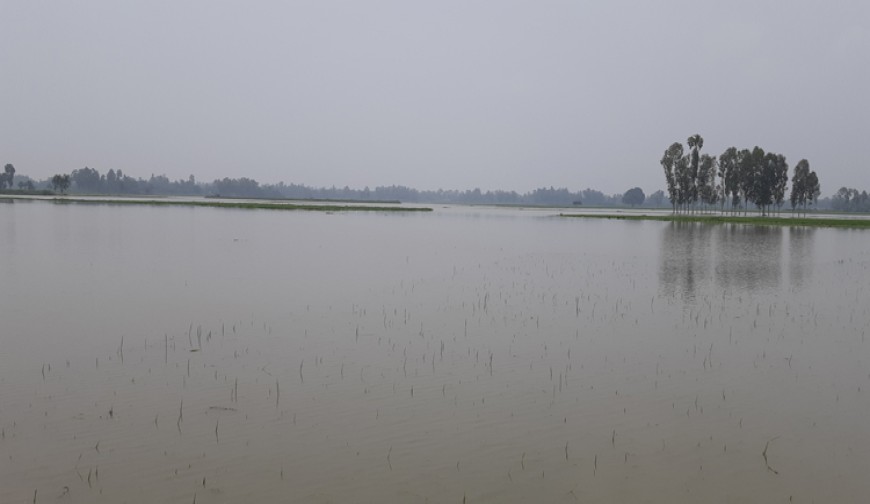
(463, 355)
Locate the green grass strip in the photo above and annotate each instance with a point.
(243, 205)
(313, 200)
(735, 219)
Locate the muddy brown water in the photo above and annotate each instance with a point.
(485, 355)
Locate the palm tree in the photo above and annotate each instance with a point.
(696, 142)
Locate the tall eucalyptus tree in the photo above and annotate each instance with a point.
(669, 163)
(695, 142)
(729, 177)
(707, 188)
(780, 182)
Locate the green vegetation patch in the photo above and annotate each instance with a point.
(245, 205)
(737, 219)
(314, 200)
(26, 192)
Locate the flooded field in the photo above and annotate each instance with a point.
(463, 355)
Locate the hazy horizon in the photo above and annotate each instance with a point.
(501, 96)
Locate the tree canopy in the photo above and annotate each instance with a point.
(60, 182)
(7, 176)
(634, 196)
(850, 200)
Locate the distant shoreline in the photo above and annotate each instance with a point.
(790, 221)
(226, 204)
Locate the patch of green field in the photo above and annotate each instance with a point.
(243, 205)
(26, 192)
(313, 200)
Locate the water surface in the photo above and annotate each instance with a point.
(492, 355)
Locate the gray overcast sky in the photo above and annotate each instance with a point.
(439, 94)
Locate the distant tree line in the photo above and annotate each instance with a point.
(736, 178)
(732, 181)
(248, 188)
(850, 200)
(90, 181)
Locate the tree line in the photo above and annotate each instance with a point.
(91, 181)
(848, 199)
(736, 178)
(695, 181)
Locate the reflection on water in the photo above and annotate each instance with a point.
(738, 258)
(801, 242)
(749, 258)
(685, 257)
(469, 354)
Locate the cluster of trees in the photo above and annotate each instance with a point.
(850, 200)
(736, 177)
(690, 177)
(60, 182)
(657, 199)
(805, 186)
(91, 181)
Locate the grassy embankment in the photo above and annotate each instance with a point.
(240, 204)
(26, 192)
(753, 220)
(313, 200)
